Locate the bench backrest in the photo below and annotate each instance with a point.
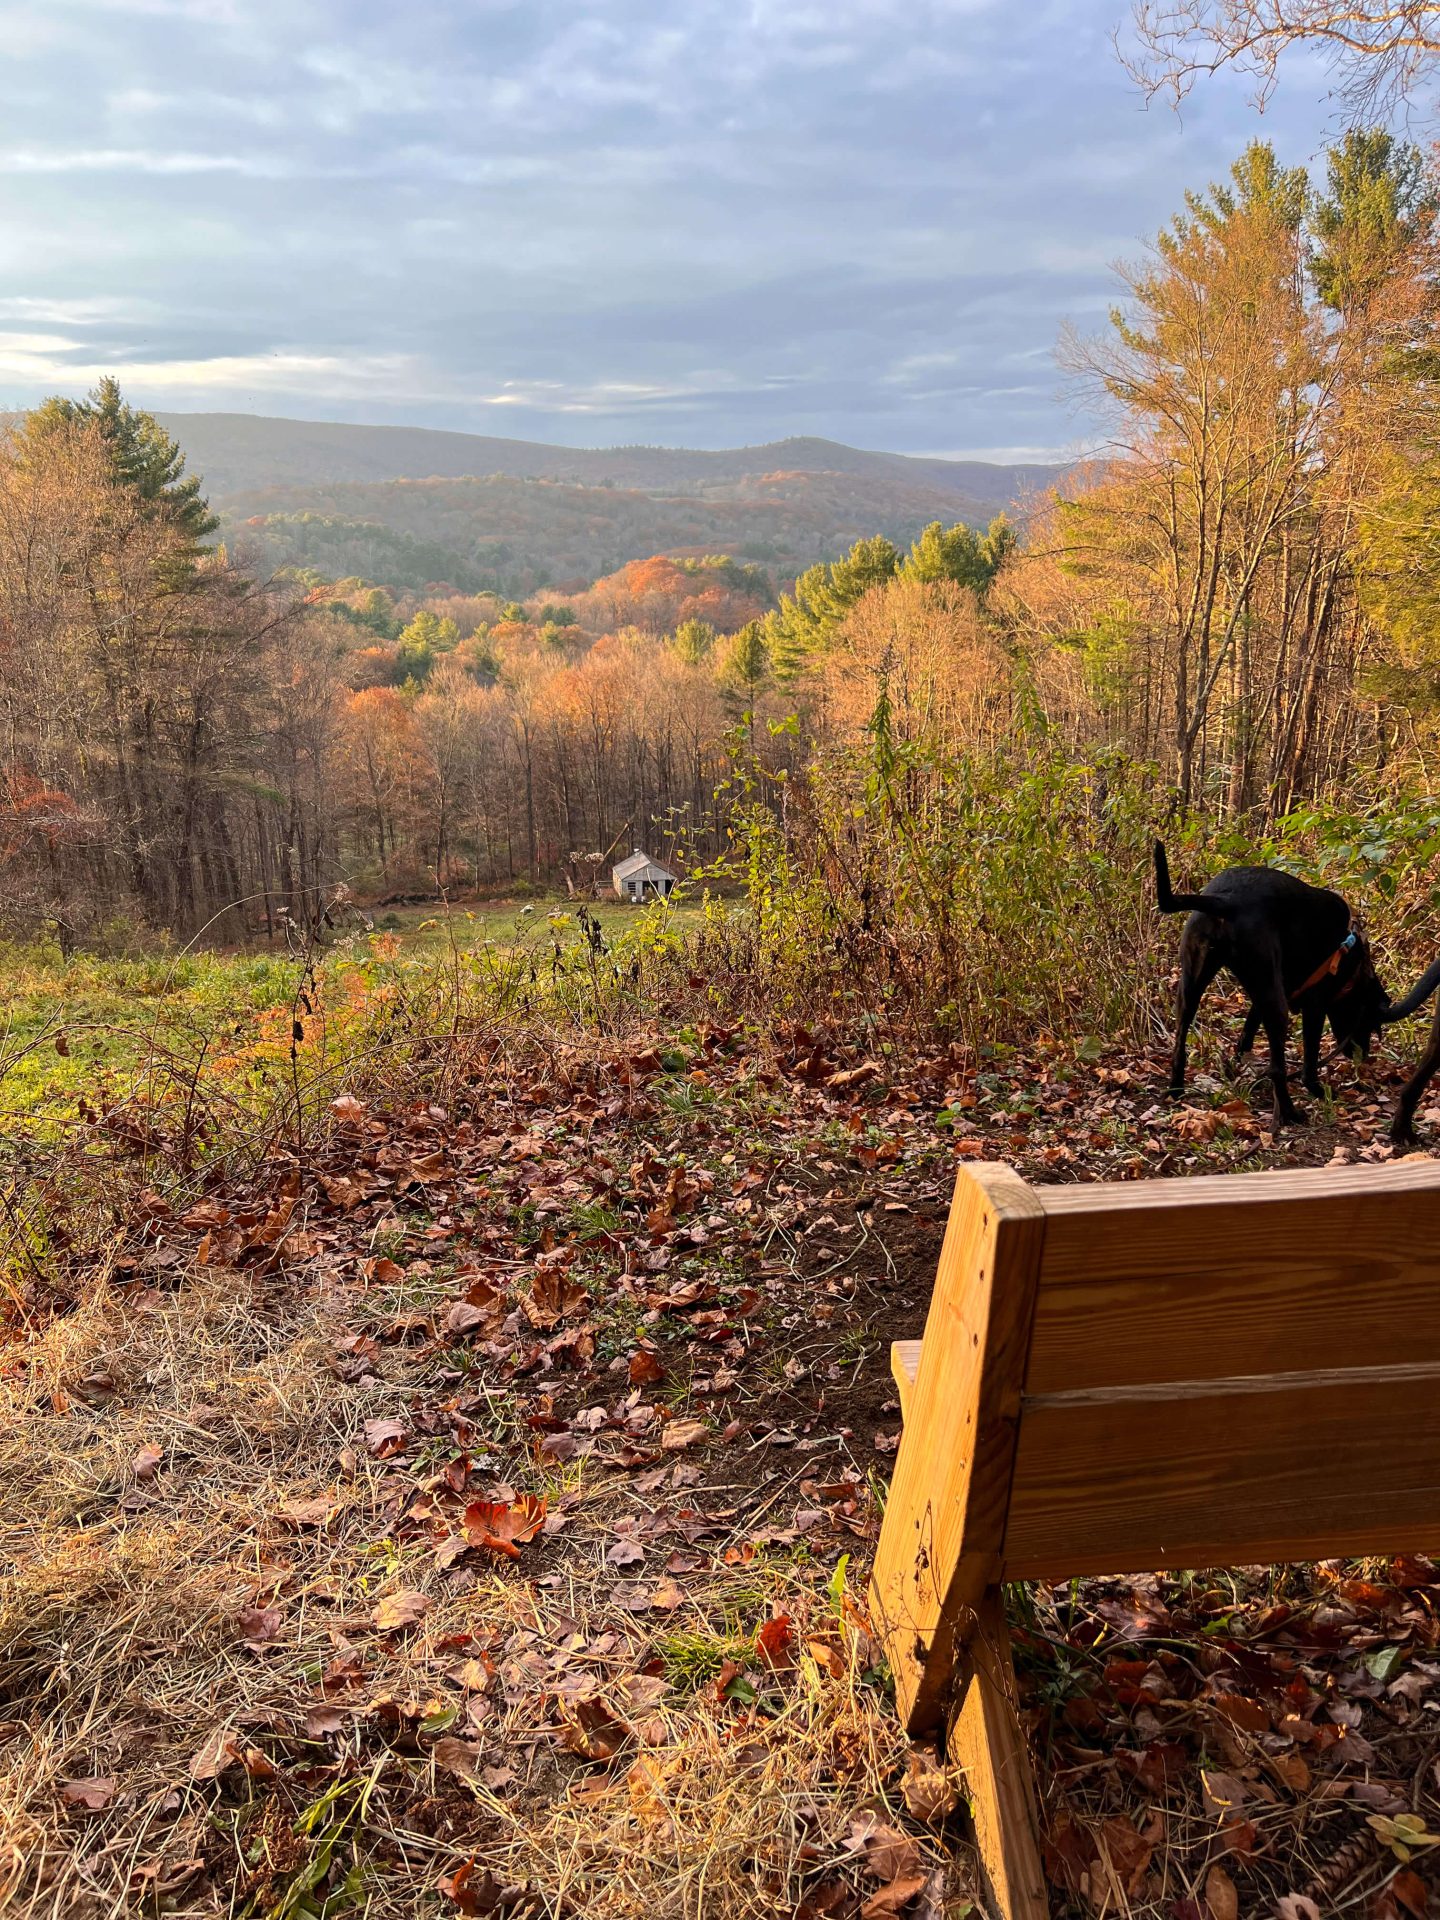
(1176, 1373)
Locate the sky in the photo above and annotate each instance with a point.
(681, 222)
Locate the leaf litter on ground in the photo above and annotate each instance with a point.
(520, 1455)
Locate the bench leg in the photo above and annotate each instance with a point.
(986, 1738)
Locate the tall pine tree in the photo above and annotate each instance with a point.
(143, 457)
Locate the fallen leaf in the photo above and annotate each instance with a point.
(679, 1434)
(400, 1610)
(891, 1899)
(320, 1721)
(385, 1438)
(1220, 1895)
(1223, 1792)
(305, 1513)
(775, 1642)
(456, 1756)
(258, 1624)
(645, 1368)
(552, 1298)
(888, 1854)
(217, 1753)
(929, 1792)
(93, 1795)
(593, 1731)
(146, 1461)
(504, 1526)
(1411, 1892)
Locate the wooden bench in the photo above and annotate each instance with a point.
(1175, 1373)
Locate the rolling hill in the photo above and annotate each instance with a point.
(410, 506)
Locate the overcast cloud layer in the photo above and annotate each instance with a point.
(699, 222)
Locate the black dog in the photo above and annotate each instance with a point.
(1292, 947)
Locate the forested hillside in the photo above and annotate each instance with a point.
(515, 536)
(1234, 613)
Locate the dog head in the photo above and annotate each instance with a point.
(1358, 1011)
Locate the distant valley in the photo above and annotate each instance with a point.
(413, 507)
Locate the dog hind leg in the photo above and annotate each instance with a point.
(1275, 1017)
(1247, 1037)
(1402, 1127)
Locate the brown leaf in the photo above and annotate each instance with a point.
(593, 1731)
(679, 1434)
(775, 1642)
(1297, 1906)
(1223, 1792)
(1410, 1890)
(889, 1854)
(217, 1753)
(481, 1896)
(1220, 1895)
(456, 1756)
(306, 1513)
(93, 1795)
(929, 1793)
(146, 1461)
(645, 1368)
(890, 1900)
(320, 1721)
(1248, 1715)
(258, 1623)
(1129, 1850)
(397, 1611)
(552, 1297)
(504, 1526)
(386, 1438)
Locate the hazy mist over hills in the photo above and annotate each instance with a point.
(413, 505)
(237, 452)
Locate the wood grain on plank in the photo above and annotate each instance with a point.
(987, 1739)
(904, 1367)
(940, 1545)
(1243, 1274)
(1289, 1472)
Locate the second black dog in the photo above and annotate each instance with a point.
(1292, 947)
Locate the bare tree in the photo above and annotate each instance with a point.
(1380, 54)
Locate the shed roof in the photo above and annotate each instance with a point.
(637, 862)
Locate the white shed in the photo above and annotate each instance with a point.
(641, 878)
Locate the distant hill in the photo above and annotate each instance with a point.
(411, 505)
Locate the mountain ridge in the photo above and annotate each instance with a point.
(244, 452)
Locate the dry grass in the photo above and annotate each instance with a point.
(133, 1642)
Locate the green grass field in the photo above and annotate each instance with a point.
(93, 1031)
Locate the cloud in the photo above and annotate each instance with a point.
(721, 222)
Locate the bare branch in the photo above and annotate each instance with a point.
(1379, 54)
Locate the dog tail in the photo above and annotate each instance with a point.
(1170, 902)
(1402, 1009)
